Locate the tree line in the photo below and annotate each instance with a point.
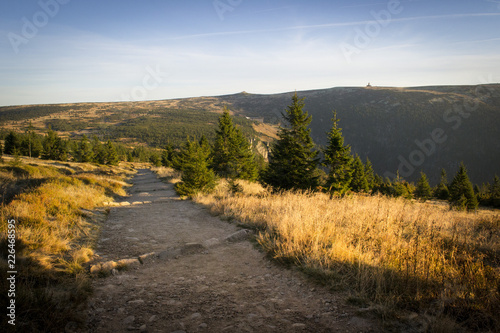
(52, 147)
(295, 164)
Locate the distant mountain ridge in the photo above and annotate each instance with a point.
(411, 129)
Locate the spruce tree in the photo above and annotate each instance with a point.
(98, 151)
(166, 156)
(12, 143)
(423, 190)
(461, 191)
(441, 191)
(54, 148)
(370, 174)
(130, 157)
(111, 156)
(84, 151)
(293, 160)
(358, 182)
(196, 176)
(338, 160)
(494, 192)
(232, 154)
(29, 141)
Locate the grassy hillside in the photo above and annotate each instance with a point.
(153, 123)
(428, 127)
(57, 222)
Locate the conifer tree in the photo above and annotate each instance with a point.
(30, 145)
(338, 159)
(370, 174)
(54, 148)
(495, 192)
(441, 191)
(461, 191)
(155, 159)
(293, 161)
(423, 190)
(196, 176)
(111, 156)
(130, 157)
(98, 151)
(166, 156)
(358, 182)
(12, 143)
(203, 142)
(232, 154)
(84, 151)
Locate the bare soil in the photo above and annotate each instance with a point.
(198, 282)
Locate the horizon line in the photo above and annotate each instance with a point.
(249, 93)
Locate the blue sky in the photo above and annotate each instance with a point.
(55, 51)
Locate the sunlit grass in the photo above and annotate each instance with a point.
(53, 205)
(396, 252)
(172, 175)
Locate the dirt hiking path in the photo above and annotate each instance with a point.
(194, 279)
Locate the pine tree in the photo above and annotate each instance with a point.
(84, 151)
(203, 142)
(461, 191)
(494, 192)
(232, 154)
(130, 157)
(293, 161)
(441, 191)
(54, 148)
(370, 174)
(111, 156)
(338, 159)
(196, 176)
(166, 156)
(29, 141)
(98, 151)
(423, 190)
(358, 182)
(12, 143)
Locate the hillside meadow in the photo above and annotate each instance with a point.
(58, 212)
(389, 254)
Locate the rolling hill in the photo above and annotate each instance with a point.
(410, 129)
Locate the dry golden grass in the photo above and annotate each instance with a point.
(53, 205)
(394, 252)
(173, 176)
(49, 216)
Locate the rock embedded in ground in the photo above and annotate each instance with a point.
(238, 236)
(192, 248)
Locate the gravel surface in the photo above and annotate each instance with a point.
(198, 273)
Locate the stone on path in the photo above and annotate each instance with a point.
(238, 236)
(192, 248)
